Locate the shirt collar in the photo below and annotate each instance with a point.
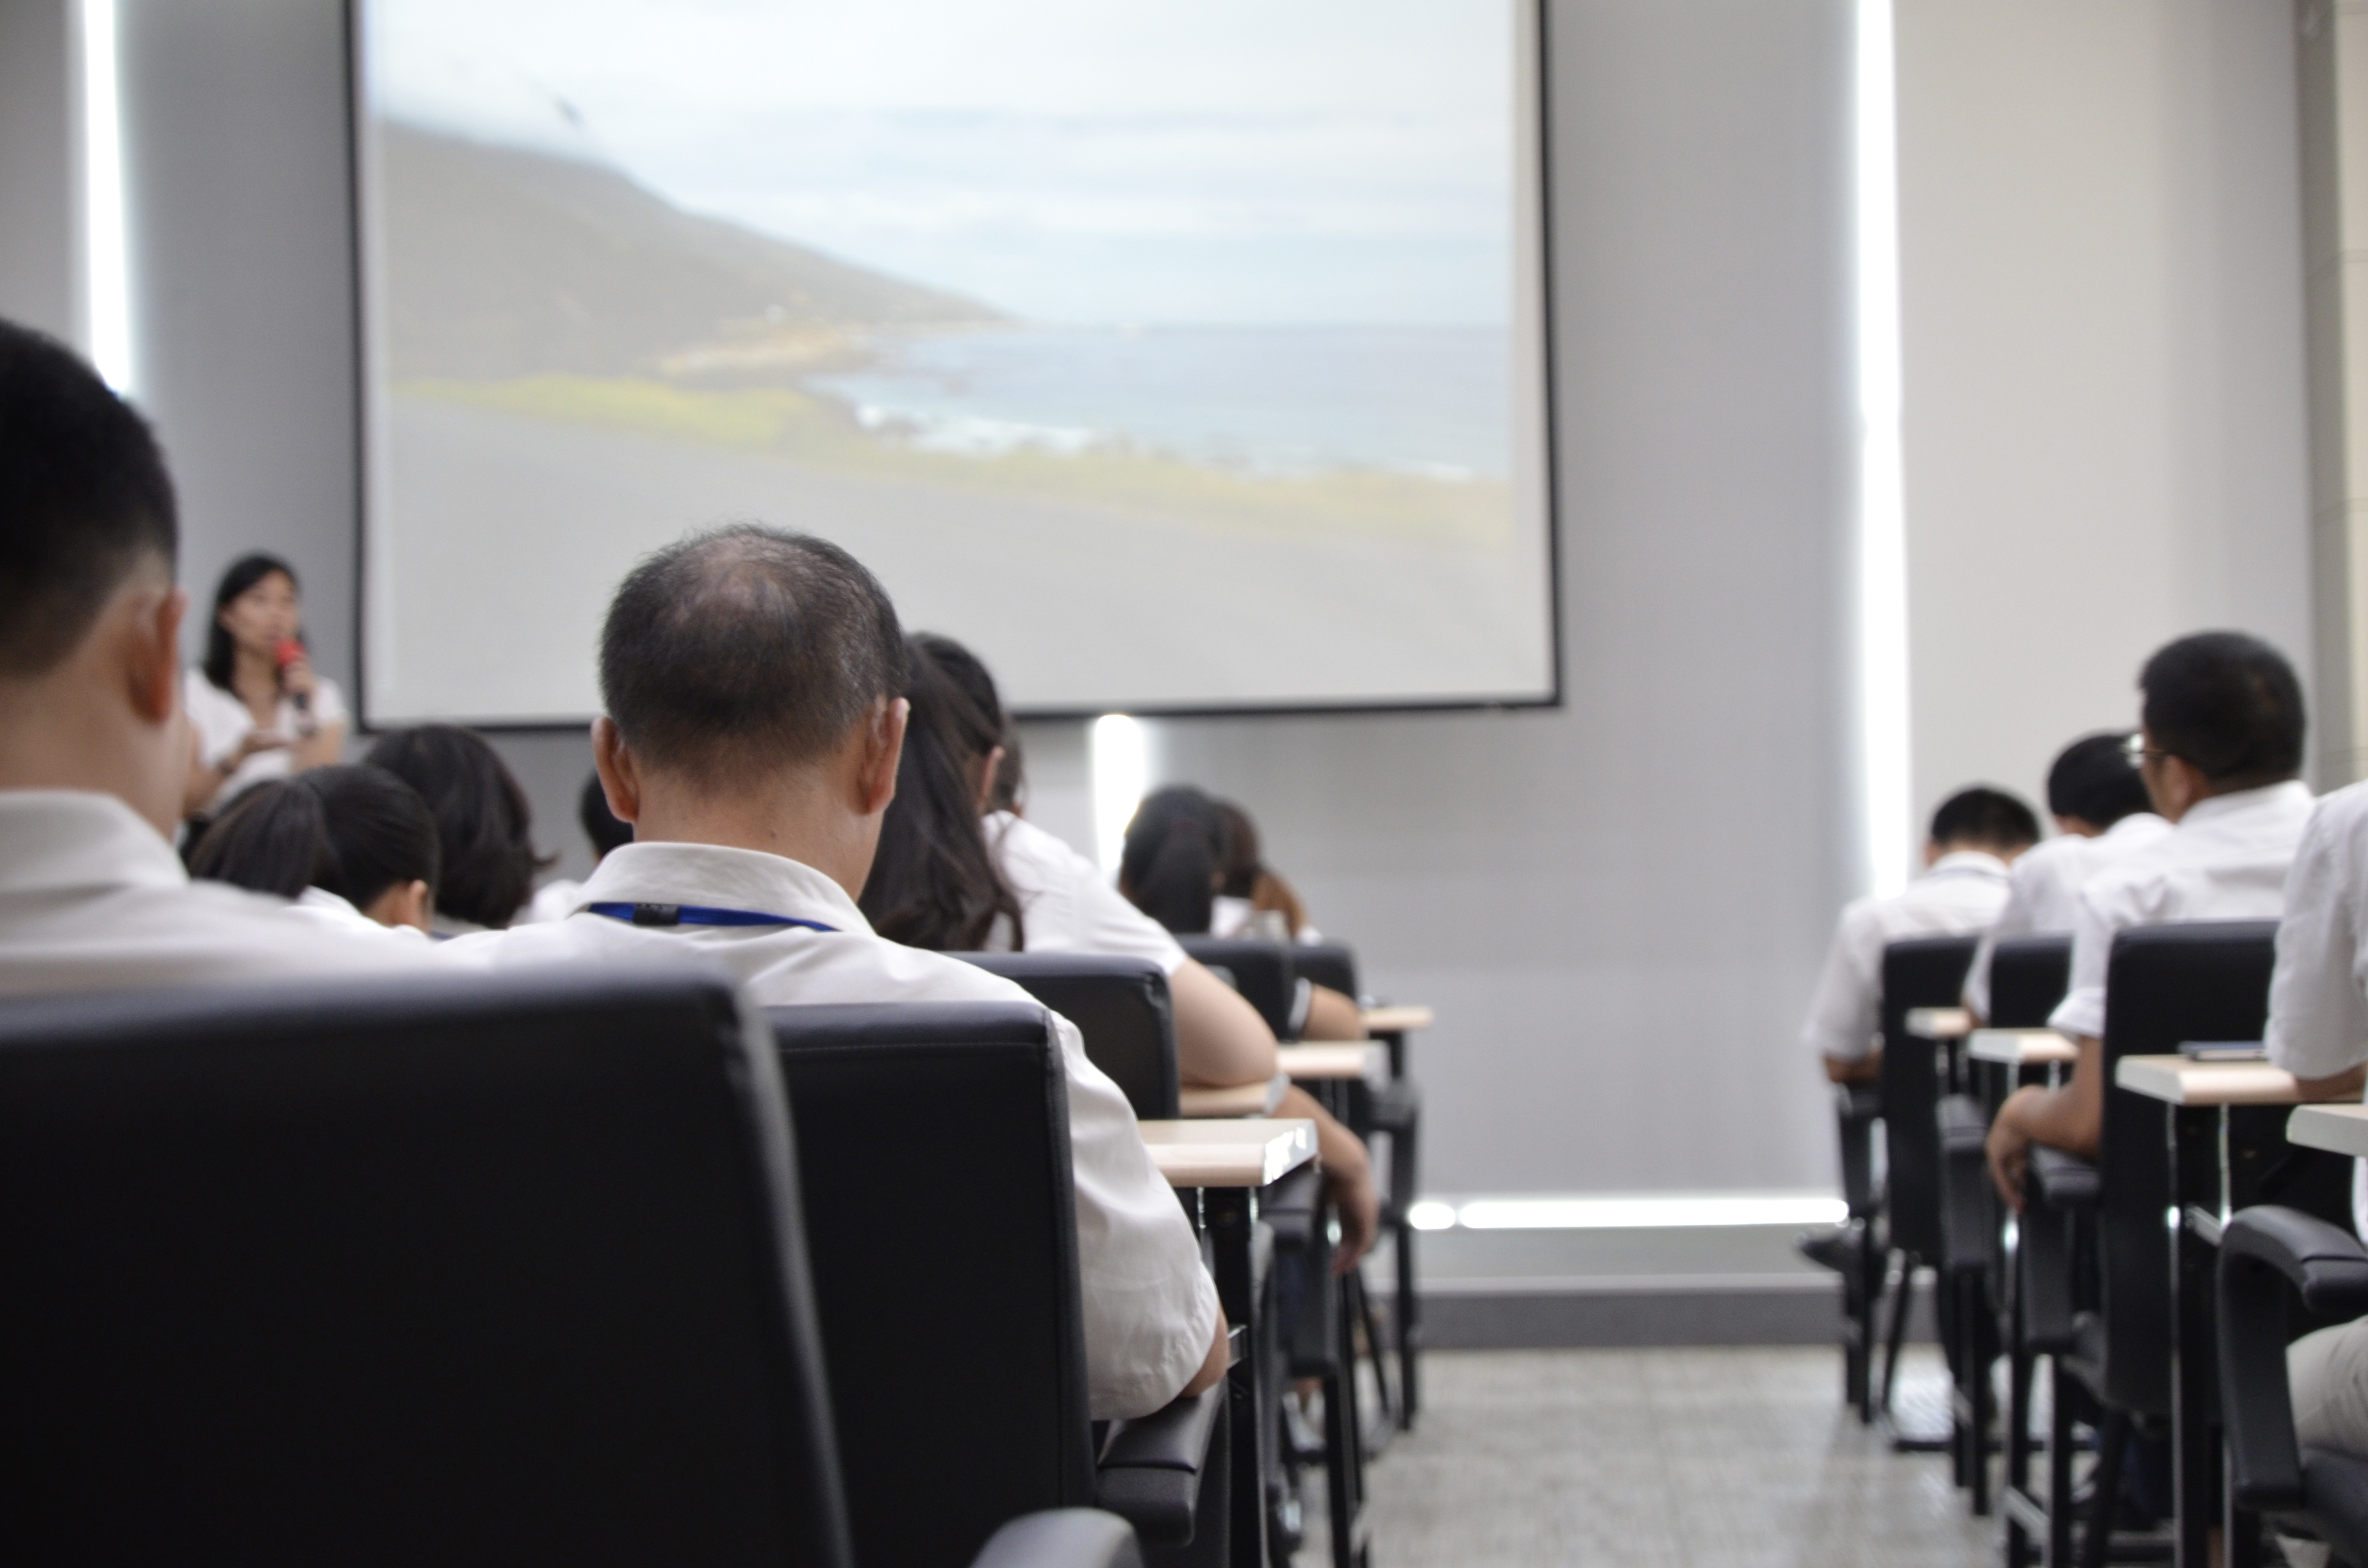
(73, 840)
(2287, 796)
(2135, 823)
(1968, 863)
(717, 876)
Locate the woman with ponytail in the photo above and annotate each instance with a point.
(1045, 897)
(351, 846)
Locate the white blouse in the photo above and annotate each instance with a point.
(223, 720)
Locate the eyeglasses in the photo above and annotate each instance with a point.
(2139, 753)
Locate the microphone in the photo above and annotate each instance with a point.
(287, 653)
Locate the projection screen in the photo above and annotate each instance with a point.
(1177, 355)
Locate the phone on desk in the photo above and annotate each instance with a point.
(2224, 1051)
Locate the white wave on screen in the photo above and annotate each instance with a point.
(975, 436)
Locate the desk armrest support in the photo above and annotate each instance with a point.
(2063, 1181)
(2266, 1254)
(1151, 1469)
(1857, 1107)
(1061, 1538)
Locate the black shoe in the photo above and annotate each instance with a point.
(1836, 1249)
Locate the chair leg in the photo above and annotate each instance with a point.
(1902, 1295)
(2059, 1465)
(2017, 1444)
(2105, 1488)
(1976, 1328)
(1403, 1166)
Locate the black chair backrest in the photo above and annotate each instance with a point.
(1119, 1005)
(933, 1139)
(1261, 971)
(2165, 985)
(1920, 972)
(491, 1269)
(2028, 977)
(1328, 964)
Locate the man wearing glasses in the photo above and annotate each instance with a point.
(2219, 746)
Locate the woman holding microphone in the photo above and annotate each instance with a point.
(257, 708)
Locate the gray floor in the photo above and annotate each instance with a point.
(1701, 1458)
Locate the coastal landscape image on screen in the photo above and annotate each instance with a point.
(1173, 354)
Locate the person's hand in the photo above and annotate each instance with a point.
(2009, 1147)
(296, 677)
(1359, 1205)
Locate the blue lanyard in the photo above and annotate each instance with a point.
(696, 914)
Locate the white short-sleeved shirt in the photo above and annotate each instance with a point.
(1150, 1307)
(2043, 890)
(2226, 859)
(1962, 892)
(222, 722)
(2318, 994)
(91, 898)
(319, 906)
(1065, 903)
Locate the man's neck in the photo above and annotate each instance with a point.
(50, 743)
(792, 819)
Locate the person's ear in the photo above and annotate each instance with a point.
(620, 775)
(985, 786)
(884, 748)
(1931, 852)
(411, 904)
(152, 650)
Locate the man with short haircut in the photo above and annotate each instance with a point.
(2220, 743)
(1976, 836)
(2101, 814)
(94, 748)
(753, 682)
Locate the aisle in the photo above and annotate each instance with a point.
(1714, 1458)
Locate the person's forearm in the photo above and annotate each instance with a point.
(1214, 1365)
(1862, 1070)
(1220, 1038)
(2343, 1085)
(2054, 1117)
(1341, 1151)
(323, 748)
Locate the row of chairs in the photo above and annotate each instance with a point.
(2084, 1279)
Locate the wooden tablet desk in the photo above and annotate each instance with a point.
(2022, 1048)
(1242, 1153)
(1333, 1060)
(1939, 1023)
(2338, 1128)
(1397, 1020)
(1238, 1100)
(2198, 1098)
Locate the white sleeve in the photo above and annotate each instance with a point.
(2318, 1019)
(1150, 1307)
(1110, 925)
(2082, 1011)
(1845, 1011)
(221, 721)
(328, 702)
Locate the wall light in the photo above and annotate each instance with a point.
(107, 290)
(1119, 762)
(1883, 691)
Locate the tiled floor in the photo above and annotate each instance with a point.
(1718, 1458)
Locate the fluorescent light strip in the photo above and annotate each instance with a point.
(106, 291)
(1883, 690)
(1119, 761)
(1661, 1211)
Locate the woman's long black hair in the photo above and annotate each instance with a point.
(1175, 852)
(222, 651)
(934, 882)
(483, 821)
(354, 831)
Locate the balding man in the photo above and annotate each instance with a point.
(754, 680)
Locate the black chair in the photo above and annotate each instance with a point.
(488, 1271)
(1921, 972)
(2273, 1258)
(933, 1143)
(2028, 978)
(1262, 970)
(1121, 1008)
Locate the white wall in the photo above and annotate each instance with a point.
(39, 274)
(2106, 437)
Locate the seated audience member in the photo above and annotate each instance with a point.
(258, 709)
(484, 826)
(94, 743)
(1171, 867)
(1976, 836)
(754, 728)
(558, 897)
(2318, 1031)
(947, 880)
(1250, 888)
(353, 846)
(2219, 747)
(2101, 813)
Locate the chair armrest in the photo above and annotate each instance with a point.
(2266, 1253)
(1151, 1469)
(2044, 1259)
(1061, 1538)
(1965, 1227)
(1857, 1108)
(2062, 1180)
